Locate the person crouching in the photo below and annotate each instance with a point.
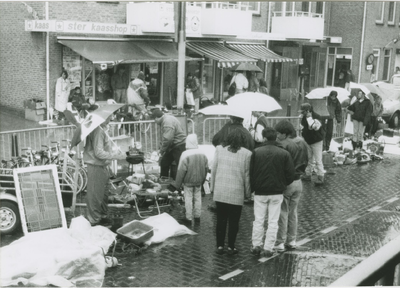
(192, 172)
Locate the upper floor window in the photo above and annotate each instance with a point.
(305, 6)
(392, 13)
(381, 10)
(319, 7)
(248, 6)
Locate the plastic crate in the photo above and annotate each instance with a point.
(136, 232)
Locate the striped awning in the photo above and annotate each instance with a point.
(259, 52)
(226, 57)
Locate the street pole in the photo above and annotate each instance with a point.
(47, 65)
(180, 10)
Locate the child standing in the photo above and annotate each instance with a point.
(192, 172)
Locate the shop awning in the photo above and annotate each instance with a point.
(115, 52)
(258, 51)
(226, 57)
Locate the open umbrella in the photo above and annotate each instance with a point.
(244, 66)
(253, 101)
(92, 121)
(321, 93)
(362, 87)
(220, 109)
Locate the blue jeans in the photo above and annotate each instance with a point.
(288, 219)
(192, 201)
(315, 159)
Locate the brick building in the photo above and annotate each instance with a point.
(312, 41)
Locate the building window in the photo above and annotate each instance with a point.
(375, 70)
(319, 9)
(305, 6)
(254, 7)
(392, 13)
(381, 10)
(386, 64)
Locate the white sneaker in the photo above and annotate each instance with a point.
(279, 247)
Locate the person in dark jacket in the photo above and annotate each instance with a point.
(335, 112)
(297, 147)
(361, 111)
(313, 133)
(271, 171)
(235, 123)
(260, 125)
(173, 141)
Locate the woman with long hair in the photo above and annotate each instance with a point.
(230, 182)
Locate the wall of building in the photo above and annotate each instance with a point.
(378, 35)
(23, 73)
(345, 20)
(259, 23)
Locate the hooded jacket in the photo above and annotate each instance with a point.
(193, 165)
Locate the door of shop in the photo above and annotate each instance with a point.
(315, 68)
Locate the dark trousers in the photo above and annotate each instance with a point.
(328, 133)
(168, 158)
(227, 213)
(373, 125)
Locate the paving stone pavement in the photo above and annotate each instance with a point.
(341, 223)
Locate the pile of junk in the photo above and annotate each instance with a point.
(344, 154)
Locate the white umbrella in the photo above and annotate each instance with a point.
(321, 93)
(360, 86)
(220, 109)
(253, 101)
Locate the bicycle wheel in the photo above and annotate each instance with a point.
(84, 174)
(69, 177)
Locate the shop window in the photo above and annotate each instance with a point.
(87, 79)
(321, 70)
(386, 64)
(392, 13)
(381, 12)
(152, 78)
(331, 68)
(289, 70)
(72, 63)
(208, 76)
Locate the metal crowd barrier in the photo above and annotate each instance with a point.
(381, 268)
(11, 142)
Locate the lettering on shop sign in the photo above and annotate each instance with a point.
(79, 27)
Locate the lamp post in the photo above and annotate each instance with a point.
(180, 37)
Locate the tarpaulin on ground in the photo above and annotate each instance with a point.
(165, 226)
(59, 257)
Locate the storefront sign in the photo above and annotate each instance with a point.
(80, 27)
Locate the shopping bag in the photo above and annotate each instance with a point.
(232, 89)
(190, 98)
(349, 125)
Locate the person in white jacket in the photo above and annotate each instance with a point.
(63, 88)
(192, 172)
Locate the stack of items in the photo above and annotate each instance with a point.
(371, 150)
(35, 110)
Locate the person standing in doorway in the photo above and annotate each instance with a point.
(271, 171)
(230, 183)
(297, 147)
(63, 88)
(173, 141)
(314, 134)
(119, 84)
(194, 85)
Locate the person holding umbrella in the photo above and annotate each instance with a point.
(241, 82)
(98, 154)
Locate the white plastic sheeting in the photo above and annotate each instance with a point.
(165, 226)
(58, 257)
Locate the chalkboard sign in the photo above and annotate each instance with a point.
(39, 198)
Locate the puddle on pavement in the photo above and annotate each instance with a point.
(179, 240)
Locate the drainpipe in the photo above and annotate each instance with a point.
(47, 64)
(267, 44)
(362, 42)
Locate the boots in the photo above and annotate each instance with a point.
(320, 180)
(354, 144)
(360, 144)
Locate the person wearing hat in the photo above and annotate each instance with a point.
(173, 141)
(335, 112)
(314, 134)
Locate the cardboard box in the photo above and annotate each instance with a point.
(35, 114)
(34, 104)
(388, 132)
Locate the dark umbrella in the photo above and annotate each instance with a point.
(246, 67)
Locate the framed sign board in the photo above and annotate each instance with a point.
(39, 198)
